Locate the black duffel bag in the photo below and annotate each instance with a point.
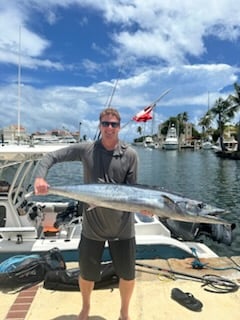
(67, 280)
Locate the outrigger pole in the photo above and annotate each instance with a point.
(113, 92)
(108, 104)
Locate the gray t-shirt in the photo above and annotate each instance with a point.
(100, 165)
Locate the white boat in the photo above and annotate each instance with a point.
(230, 144)
(171, 142)
(67, 139)
(207, 145)
(28, 225)
(150, 143)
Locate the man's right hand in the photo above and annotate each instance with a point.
(40, 186)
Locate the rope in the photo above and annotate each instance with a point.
(197, 264)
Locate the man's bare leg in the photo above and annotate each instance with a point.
(126, 290)
(86, 288)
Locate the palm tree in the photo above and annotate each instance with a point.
(224, 111)
(205, 123)
(165, 125)
(235, 100)
(182, 118)
(178, 121)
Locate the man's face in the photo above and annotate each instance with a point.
(109, 127)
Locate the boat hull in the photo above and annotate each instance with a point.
(170, 146)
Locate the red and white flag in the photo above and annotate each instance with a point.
(144, 115)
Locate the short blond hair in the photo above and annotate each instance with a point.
(110, 111)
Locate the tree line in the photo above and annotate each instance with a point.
(222, 112)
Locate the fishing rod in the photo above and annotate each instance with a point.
(211, 283)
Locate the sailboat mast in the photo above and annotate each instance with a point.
(19, 87)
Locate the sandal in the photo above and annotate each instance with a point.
(186, 299)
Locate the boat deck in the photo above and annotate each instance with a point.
(151, 298)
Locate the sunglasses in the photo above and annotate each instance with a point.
(108, 123)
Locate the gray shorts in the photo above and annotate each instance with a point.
(123, 253)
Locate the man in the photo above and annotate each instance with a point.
(107, 160)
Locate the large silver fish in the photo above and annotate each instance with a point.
(137, 198)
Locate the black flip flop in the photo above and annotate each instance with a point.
(186, 299)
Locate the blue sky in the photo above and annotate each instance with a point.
(74, 52)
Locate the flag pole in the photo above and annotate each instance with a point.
(152, 105)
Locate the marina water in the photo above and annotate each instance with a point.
(198, 175)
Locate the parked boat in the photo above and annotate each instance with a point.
(207, 145)
(150, 143)
(171, 142)
(230, 144)
(29, 226)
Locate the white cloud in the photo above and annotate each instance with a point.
(169, 30)
(152, 41)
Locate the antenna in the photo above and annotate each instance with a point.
(19, 87)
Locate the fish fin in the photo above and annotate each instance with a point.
(171, 205)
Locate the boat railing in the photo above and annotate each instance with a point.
(16, 180)
(18, 189)
(19, 233)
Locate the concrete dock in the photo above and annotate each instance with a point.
(151, 298)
